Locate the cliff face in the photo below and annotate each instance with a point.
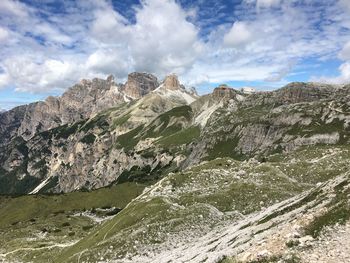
(224, 91)
(171, 82)
(140, 84)
(167, 129)
(73, 143)
(79, 102)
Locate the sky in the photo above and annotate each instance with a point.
(48, 45)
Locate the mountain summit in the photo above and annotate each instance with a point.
(139, 84)
(171, 82)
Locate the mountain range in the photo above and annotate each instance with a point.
(149, 171)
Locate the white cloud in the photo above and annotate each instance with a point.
(345, 52)
(4, 80)
(108, 61)
(13, 7)
(162, 40)
(39, 76)
(343, 78)
(238, 35)
(345, 4)
(4, 34)
(267, 41)
(51, 34)
(108, 25)
(267, 3)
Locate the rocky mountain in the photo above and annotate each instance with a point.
(79, 102)
(139, 84)
(166, 130)
(170, 176)
(88, 153)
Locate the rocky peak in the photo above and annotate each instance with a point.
(171, 82)
(303, 92)
(223, 91)
(192, 91)
(110, 80)
(140, 84)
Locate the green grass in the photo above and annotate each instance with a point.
(338, 211)
(120, 121)
(23, 208)
(160, 126)
(225, 148)
(88, 139)
(184, 136)
(130, 139)
(337, 214)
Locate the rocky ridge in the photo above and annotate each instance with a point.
(167, 129)
(81, 101)
(92, 148)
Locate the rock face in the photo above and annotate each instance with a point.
(73, 143)
(303, 92)
(271, 203)
(140, 84)
(79, 102)
(224, 91)
(171, 82)
(9, 123)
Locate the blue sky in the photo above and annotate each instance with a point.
(48, 45)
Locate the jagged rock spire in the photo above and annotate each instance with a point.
(171, 82)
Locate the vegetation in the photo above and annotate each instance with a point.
(129, 140)
(23, 208)
(184, 136)
(88, 139)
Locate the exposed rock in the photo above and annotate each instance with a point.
(248, 90)
(85, 149)
(303, 92)
(140, 84)
(79, 102)
(171, 82)
(223, 91)
(9, 123)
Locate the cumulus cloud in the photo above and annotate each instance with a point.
(345, 52)
(14, 7)
(343, 78)
(267, 3)
(38, 76)
(161, 40)
(4, 34)
(108, 61)
(261, 40)
(238, 35)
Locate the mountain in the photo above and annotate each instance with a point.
(79, 102)
(149, 171)
(91, 151)
(170, 129)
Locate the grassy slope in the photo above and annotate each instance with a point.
(24, 208)
(30, 225)
(205, 196)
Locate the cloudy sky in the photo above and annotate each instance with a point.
(47, 45)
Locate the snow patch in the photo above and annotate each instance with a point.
(40, 186)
